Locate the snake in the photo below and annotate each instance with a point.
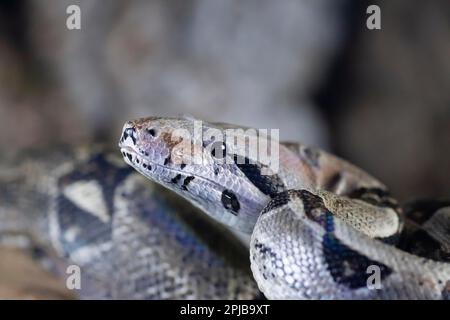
(83, 206)
(321, 228)
(151, 223)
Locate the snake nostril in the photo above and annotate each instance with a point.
(129, 132)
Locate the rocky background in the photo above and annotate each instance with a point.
(311, 68)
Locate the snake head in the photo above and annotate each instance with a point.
(200, 161)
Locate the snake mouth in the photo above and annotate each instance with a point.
(149, 169)
(131, 157)
(171, 178)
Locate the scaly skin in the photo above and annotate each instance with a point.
(130, 238)
(325, 223)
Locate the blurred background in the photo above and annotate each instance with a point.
(379, 98)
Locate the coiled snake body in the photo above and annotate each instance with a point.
(320, 227)
(130, 238)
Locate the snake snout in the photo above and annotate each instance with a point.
(128, 134)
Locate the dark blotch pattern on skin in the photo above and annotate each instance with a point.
(333, 182)
(313, 205)
(268, 184)
(176, 178)
(230, 201)
(169, 140)
(418, 241)
(147, 166)
(91, 229)
(391, 240)
(167, 161)
(375, 196)
(279, 200)
(360, 192)
(421, 211)
(186, 182)
(347, 266)
(310, 201)
(311, 156)
(99, 169)
(268, 255)
(261, 248)
(422, 244)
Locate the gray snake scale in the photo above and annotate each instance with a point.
(318, 225)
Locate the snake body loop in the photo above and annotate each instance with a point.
(321, 228)
(130, 238)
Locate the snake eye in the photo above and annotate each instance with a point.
(219, 150)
